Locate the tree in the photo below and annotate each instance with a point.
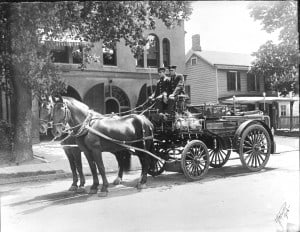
(278, 63)
(24, 26)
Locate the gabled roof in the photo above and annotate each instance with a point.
(215, 58)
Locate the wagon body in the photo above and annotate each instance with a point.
(212, 137)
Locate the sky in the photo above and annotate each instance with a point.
(225, 26)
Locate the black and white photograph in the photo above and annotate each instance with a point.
(149, 116)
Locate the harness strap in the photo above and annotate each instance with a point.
(124, 145)
(115, 140)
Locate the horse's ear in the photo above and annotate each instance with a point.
(57, 99)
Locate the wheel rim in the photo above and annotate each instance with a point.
(218, 157)
(157, 167)
(195, 162)
(255, 149)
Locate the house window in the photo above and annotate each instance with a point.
(77, 54)
(109, 56)
(187, 89)
(233, 81)
(283, 110)
(152, 51)
(60, 55)
(252, 82)
(194, 61)
(140, 60)
(166, 52)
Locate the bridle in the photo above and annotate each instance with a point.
(67, 114)
(46, 123)
(67, 117)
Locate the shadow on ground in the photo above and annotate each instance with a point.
(163, 182)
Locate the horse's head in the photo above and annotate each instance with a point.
(60, 116)
(45, 113)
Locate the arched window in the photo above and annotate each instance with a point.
(166, 52)
(152, 51)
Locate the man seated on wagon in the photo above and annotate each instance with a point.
(162, 91)
(177, 88)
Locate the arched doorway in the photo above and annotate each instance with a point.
(120, 98)
(145, 92)
(112, 106)
(94, 98)
(71, 92)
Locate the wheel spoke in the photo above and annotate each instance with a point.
(249, 142)
(248, 157)
(189, 156)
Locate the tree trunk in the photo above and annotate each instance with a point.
(21, 116)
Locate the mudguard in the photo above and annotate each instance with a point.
(244, 125)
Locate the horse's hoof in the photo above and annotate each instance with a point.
(93, 191)
(80, 190)
(73, 188)
(102, 194)
(141, 186)
(117, 181)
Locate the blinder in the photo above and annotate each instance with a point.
(67, 114)
(46, 122)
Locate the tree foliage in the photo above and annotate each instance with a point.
(109, 21)
(278, 63)
(25, 57)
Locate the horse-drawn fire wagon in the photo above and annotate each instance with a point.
(201, 136)
(188, 140)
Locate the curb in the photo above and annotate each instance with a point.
(33, 176)
(21, 177)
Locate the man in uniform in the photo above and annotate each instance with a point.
(162, 91)
(177, 87)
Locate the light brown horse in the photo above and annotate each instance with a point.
(133, 129)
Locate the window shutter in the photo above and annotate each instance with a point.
(228, 81)
(257, 83)
(248, 82)
(238, 81)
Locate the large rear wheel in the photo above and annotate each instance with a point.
(195, 160)
(255, 147)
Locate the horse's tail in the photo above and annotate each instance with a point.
(148, 128)
(126, 160)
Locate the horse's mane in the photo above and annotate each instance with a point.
(73, 101)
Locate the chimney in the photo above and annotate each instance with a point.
(196, 43)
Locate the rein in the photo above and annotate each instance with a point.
(85, 125)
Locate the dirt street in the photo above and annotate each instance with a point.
(227, 199)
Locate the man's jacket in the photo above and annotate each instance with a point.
(177, 84)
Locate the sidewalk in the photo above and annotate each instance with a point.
(50, 162)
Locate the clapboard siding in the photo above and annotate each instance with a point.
(202, 81)
(222, 82)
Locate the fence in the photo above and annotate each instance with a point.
(284, 122)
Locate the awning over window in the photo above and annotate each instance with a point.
(68, 43)
(66, 40)
(253, 100)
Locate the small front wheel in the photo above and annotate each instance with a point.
(156, 166)
(218, 156)
(195, 160)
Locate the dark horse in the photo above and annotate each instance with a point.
(73, 152)
(134, 129)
